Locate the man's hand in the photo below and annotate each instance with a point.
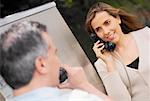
(76, 78)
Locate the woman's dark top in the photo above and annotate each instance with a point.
(134, 64)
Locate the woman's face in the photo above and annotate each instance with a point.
(107, 27)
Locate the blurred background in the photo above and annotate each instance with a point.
(74, 12)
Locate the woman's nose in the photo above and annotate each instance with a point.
(106, 31)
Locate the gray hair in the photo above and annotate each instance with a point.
(20, 45)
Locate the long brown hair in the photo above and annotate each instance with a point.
(129, 22)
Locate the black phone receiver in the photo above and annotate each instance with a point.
(109, 46)
(62, 75)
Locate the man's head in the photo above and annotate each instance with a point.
(28, 55)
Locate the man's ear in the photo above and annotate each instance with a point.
(118, 18)
(40, 65)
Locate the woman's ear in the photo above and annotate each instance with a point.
(118, 18)
(40, 65)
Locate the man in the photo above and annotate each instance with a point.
(30, 66)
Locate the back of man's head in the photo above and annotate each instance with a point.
(19, 47)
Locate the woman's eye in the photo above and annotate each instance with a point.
(98, 29)
(107, 23)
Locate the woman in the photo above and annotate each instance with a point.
(125, 71)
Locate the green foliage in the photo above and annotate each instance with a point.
(68, 3)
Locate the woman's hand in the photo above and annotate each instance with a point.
(106, 56)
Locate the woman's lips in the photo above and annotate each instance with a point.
(110, 37)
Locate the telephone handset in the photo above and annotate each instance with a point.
(62, 75)
(109, 46)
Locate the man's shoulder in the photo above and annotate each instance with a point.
(65, 95)
(43, 94)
